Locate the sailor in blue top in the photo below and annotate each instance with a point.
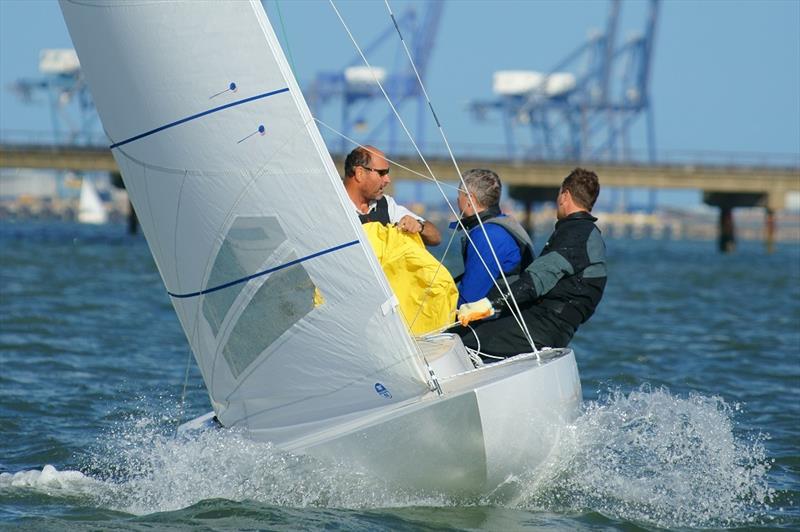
(511, 243)
(558, 291)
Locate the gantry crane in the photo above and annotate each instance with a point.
(354, 87)
(72, 113)
(583, 116)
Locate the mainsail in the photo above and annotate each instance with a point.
(287, 311)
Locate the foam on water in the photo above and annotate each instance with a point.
(655, 458)
(149, 470)
(140, 467)
(50, 480)
(648, 457)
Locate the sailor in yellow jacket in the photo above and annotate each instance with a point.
(424, 288)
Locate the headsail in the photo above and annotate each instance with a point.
(286, 309)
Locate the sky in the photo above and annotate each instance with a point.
(725, 75)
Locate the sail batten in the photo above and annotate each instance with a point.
(198, 115)
(258, 245)
(265, 272)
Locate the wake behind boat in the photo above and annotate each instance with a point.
(294, 326)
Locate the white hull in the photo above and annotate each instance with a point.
(295, 327)
(490, 423)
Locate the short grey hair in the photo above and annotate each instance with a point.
(484, 185)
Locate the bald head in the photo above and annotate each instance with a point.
(366, 175)
(363, 156)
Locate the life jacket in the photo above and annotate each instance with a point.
(514, 228)
(520, 236)
(379, 214)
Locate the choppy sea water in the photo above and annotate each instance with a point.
(691, 418)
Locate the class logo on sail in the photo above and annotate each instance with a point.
(381, 390)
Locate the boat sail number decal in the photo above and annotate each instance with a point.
(382, 390)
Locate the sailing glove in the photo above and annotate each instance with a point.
(522, 289)
(477, 310)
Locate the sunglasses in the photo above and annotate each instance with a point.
(382, 172)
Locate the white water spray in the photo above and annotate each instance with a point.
(648, 457)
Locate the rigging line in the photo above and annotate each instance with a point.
(452, 237)
(389, 101)
(519, 319)
(458, 171)
(359, 145)
(185, 385)
(408, 133)
(452, 210)
(433, 278)
(285, 37)
(449, 204)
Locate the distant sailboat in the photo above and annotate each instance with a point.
(90, 207)
(294, 326)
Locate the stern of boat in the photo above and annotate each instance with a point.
(491, 423)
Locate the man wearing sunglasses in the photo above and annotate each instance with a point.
(366, 175)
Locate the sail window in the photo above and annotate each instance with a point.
(247, 246)
(284, 298)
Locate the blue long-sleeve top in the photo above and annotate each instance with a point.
(476, 281)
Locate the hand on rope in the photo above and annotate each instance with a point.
(477, 310)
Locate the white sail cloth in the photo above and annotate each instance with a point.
(90, 207)
(286, 309)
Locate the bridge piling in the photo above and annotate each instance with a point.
(727, 201)
(769, 230)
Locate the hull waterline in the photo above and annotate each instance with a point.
(490, 424)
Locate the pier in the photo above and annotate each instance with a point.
(725, 186)
(764, 186)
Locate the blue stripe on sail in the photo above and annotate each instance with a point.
(198, 115)
(265, 272)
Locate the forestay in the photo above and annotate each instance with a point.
(285, 307)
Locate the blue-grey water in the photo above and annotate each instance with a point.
(691, 417)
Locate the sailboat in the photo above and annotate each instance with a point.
(90, 207)
(292, 322)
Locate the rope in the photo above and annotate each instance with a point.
(515, 311)
(285, 36)
(181, 410)
(520, 321)
(358, 144)
(516, 315)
